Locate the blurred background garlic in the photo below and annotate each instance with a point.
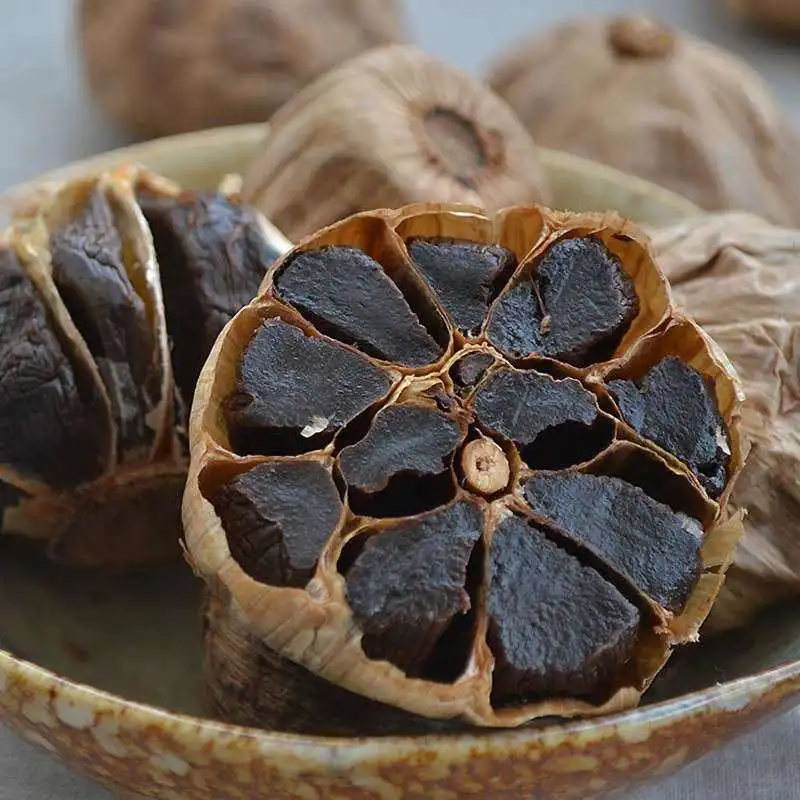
(651, 100)
(778, 16)
(159, 67)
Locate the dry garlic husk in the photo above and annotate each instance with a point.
(452, 468)
(780, 16)
(114, 287)
(392, 127)
(162, 67)
(738, 277)
(660, 104)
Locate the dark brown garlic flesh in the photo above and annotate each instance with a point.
(114, 288)
(439, 477)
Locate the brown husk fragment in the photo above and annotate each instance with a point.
(391, 127)
(658, 103)
(274, 629)
(161, 67)
(89, 363)
(738, 277)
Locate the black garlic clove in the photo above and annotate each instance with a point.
(556, 627)
(347, 295)
(409, 583)
(277, 518)
(467, 371)
(555, 423)
(89, 272)
(54, 425)
(295, 391)
(674, 406)
(403, 464)
(575, 308)
(212, 256)
(465, 276)
(644, 541)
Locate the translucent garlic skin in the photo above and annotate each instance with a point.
(660, 104)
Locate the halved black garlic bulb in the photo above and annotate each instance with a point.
(450, 468)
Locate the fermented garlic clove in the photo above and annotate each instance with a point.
(86, 250)
(213, 252)
(575, 305)
(529, 575)
(488, 540)
(114, 284)
(56, 420)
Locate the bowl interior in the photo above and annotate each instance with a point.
(138, 635)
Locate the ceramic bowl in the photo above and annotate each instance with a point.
(105, 671)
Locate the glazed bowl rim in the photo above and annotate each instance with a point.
(726, 696)
(729, 695)
(238, 136)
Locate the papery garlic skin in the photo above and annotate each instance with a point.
(738, 276)
(655, 102)
(392, 127)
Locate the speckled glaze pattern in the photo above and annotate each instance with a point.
(136, 748)
(142, 751)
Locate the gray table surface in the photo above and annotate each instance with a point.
(47, 121)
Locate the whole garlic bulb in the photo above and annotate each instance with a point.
(160, 67)
(660, 104)
(391, 127)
